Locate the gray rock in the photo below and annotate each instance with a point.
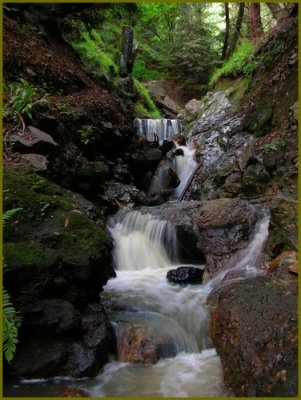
(34, 162)
(35, 141)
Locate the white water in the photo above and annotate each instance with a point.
(185, 166)
(164, 128)
(170, 313)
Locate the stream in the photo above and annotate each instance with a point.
(168, 321)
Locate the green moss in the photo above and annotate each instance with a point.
(238, 64)
(33, 193)
(27, 253)
(90, 49)
(49, 229)
(144, 106)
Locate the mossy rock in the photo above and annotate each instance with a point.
(49, 245)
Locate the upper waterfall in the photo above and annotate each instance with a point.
(158, 129)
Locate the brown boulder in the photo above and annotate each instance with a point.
(134, 345)
(253, 326)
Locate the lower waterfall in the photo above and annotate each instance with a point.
(174, 316)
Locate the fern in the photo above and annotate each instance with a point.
(11, 318)
(11, 323)
(8, 214)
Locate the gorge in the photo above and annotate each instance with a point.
(113, 193)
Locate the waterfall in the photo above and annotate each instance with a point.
(141, 241)
(243, 264)
(174, 317)
(164, 129)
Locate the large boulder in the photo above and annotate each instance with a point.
(58, 261)
(253, 326)
(210, 231)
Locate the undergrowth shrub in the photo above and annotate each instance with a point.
(144, 107)
(19, 100)
(238, 64)
(90, 48)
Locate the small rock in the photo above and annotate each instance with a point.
(36, 141)
(287, 260)
(34, 162)
(67, 391)
(185, 275)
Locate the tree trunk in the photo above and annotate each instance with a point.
(255, 21)
(237, 28)
(128, 52)
(277, 12)
(226, 39)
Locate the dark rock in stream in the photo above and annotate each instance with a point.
(185, 275)
(253, 326)
(45, 353)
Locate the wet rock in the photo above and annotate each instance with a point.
(163, 182)
(34, 162)
(185, 275)
(67, 391)
(119, 195)
(78, 351)
(255, 179)
(39, 356)
(166, 146)
(283, 226)
(35, 141)
(135, 345)
(191, 110)
(146, 160)
(253, 326)
(287, 261)
(54, 315)
(193, 107)
(92, 173)
(213, 112)
(211, 230)
(97, 330)
(179, 139)
(86, 207)
(121, 173)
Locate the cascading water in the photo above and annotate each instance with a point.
(185, 166)
(164, 128)
(174, 317)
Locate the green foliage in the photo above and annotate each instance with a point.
(11, 318)
(143, 72)
(176, 38)
(20, 100)
(271, 147)
(144, 107)
(238, 64)
(90, 49)
(11, 323)
(8, 214)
